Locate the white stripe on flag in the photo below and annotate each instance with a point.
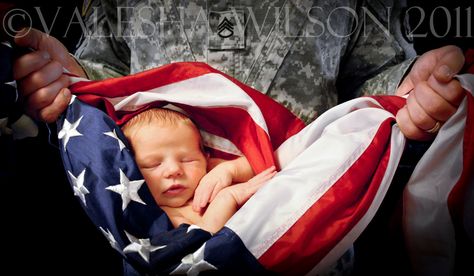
(428, 227)
(280, 203)
(209, 90)
(294, 145)
(397, 144)
(219, 143)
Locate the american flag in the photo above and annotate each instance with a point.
(334, 173)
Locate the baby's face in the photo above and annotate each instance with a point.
(171, 161)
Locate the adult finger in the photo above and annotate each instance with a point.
(418, 115)
(41, 78)
(29, 63)
(432, 103)
(450, 62)
(408, 128)
(51, 113)
(443, 62)
(451, 91)
(29, 38)
(46, 95)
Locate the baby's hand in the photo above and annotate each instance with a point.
(243, 191)
(214, 181)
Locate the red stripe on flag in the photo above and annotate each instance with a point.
(143, 81)
(237, 126)
(323, 226)
(281, 123)
(232, 123)
(390, 103)
(93, 92)
(469, 61)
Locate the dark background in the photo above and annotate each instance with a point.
(46, 229)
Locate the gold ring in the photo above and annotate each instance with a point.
(435, 128)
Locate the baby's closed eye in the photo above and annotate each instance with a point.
(150, 165)
(188, 160)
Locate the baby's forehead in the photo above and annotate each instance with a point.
(184, 125)
(180, 130)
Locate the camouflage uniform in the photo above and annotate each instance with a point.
(308, 55)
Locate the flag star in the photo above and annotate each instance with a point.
(192, 227)
(111, 239)
(194, 263)
(128, 190)
(78, 186)
(68, 131)
(141, 246)
(114, 135)
(14, 85)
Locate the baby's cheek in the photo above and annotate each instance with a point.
(196, 172)
(155, 192)
(153, 183)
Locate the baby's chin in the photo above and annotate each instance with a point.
(176, 203)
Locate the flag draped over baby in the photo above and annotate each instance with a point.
(334, 174)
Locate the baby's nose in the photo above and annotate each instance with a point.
(173, 169)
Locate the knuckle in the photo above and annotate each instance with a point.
(402, 120)
(456, 93)
(419, 119)
(432, 106)
(415, 114)
(36, 78)
(415, 75)
(42, 96)
(56, 65)
(425, 98)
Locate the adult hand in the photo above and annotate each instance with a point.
(434, 94)
(39, 74)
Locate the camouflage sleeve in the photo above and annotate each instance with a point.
(98, 71)
(378, 55)
(387, 81)
(102, 52)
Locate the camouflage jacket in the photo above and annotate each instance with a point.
(307, 55)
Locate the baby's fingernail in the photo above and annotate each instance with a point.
(446, 71)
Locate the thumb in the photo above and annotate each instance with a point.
(37, 40)
(450, 62)
(29, 38)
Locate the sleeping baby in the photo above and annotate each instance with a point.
(181, 177)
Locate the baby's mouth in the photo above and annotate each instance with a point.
(175, 189)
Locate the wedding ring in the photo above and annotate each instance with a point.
(435, 128)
